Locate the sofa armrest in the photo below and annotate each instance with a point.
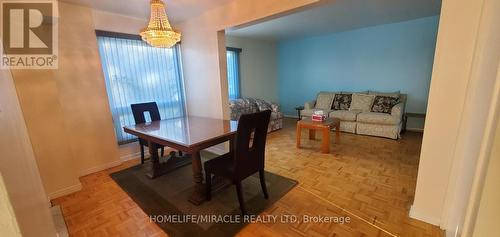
(275, 107)
(239, 107)
(309, 104)
(398, 110)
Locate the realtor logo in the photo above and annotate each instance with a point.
(29, 35)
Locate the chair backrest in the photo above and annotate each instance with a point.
(250, 143)
(139, 109)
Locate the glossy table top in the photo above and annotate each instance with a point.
(185, 131)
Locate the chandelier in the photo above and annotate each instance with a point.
(159, 33)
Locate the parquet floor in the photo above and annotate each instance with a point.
(370, 180)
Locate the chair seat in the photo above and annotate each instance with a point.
(378, 118)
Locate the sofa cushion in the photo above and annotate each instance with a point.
(361, 102)
(309, 112)
(324, 100)
(384, 104)
(342, 101)
(378, 118)
(344, 115)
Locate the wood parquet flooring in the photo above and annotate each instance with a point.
(370, 180)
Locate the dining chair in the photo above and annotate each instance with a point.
(245, 158)
(138, 111)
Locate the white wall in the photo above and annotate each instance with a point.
(27, 202)
(67, 110)
(8, 222)
(203, 50)
(108, 21)
(489, 209)
(477, 103)
(258, 67)
(467, 54)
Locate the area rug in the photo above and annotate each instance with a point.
(165, 201)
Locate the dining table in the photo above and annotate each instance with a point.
(189, 134)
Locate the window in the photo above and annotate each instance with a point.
(136, 73)
(233, 72)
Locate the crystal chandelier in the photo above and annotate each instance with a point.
(159, 33)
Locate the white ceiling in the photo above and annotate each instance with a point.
(177, 10)
(339, 16)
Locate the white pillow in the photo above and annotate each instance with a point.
(361, 102)
(324, 101)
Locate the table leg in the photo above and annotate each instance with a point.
(155, 160)
(198, 195)
(173, 161)
(325, 145)
(312, 134)
(337, 133)
(299, 130)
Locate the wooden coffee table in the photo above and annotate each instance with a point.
(324, 126)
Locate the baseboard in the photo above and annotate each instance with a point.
(78, 187)
(415, 129)
(65, 191)
(415, 214)
(100, 168)
(290, 116)
(132, 156)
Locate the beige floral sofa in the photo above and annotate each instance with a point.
(242, 106)
(367, 113)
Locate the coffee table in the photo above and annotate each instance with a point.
(324, 126)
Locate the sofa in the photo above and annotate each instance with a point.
(383, 117)
(241, 106)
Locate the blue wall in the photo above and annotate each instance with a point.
(389, 57)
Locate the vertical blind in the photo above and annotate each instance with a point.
(138, 73)
(233, 72)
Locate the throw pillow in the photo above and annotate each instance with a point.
(342, 102)
(324, 101)
(384, 104)
(262, 105)
(361, 102)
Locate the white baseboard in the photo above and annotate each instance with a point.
(415, 214)
(65, 191)
(100, 168)
(217, 149)
(132, 156)
(415, 129)
(78, 187)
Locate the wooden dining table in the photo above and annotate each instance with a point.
(189, 134)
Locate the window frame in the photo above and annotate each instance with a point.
(118, 35)
(238, 52)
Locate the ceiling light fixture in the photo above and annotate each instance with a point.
(159, 33)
